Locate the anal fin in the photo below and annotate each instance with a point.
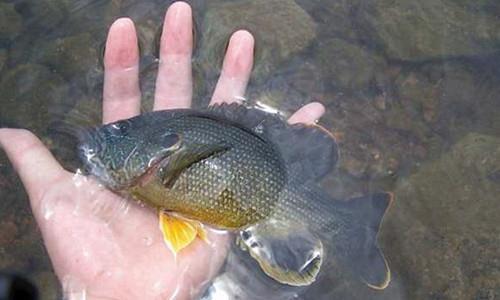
(178, 233)
(288, 253)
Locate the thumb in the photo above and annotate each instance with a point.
(33, 162)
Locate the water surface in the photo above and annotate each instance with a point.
(411, 89)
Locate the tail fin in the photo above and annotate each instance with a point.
(358, 246)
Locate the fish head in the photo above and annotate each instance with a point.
(121, 153)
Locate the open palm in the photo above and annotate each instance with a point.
(101, 245)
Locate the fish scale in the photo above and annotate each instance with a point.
(213, 185)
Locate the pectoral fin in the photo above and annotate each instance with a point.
(289, 254)
(185, 157)
(179, 233)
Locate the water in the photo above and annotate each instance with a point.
(411, 90)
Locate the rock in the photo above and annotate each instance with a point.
(11, 23)
(48, 285)
(419, 95)
(339, 17)
(86, 113)
(148, 19)
(281, 28)
(9, 232)
(74, 57)
(298, 83)
(149, 37)
(22, 248)
(43, 15)
(29, 92)
(488, 6)
(442, 233)
(3, 58)
(422, 30)
(90, 16)
(370, 147)
(348, 66)
(446, 100)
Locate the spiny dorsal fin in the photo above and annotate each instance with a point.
(308, 149)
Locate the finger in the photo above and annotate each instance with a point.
(308, 114)
(121, 98)
(35, 165)
(236, 68)
(174, 87)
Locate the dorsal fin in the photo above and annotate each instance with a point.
(306, 149)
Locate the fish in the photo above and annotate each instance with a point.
(237, 168)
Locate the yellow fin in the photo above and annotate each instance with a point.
(178, 233)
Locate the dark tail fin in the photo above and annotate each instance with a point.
(358, 246)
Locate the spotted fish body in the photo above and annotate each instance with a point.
(247, 171)
(236, 186)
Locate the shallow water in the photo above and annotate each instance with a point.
(411, 89)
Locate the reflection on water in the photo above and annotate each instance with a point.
(412, 94)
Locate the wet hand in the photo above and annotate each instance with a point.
(100, 244)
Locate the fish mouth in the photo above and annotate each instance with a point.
(90, 144)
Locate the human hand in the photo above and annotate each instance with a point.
(101, 245)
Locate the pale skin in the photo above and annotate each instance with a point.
(101, 245)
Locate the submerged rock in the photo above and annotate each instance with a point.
(348, 66)
(90, 16)
(281, 28)
(298, 83)
(338, 17)
(422, 30)
(442, 233)
(11, 22)
(72, 56)
(30, 92)
(370, 147)
(43, 14)
(446, 100)
(3, 58)
(489, 6)
(48, 285)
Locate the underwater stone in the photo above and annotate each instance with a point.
(421, 30)
(298, 83)
(148, 18)
(281, 29)
(11, 22)
(48, 285)
(3, 58)
(91, 16)
(338, 17)
(347, 65)
(27, 87)
(491, 7)
(148, 37)
(8, 225)
(446, 100)
(43, 14)
(87, 112)
(71, 56)
(442, 232)
(370, 148)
